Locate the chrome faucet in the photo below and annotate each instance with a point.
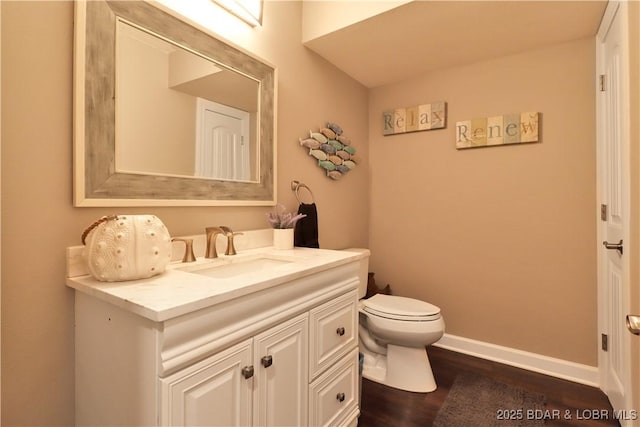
(231, 249)
(212, 233)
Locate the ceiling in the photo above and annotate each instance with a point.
(422, 36)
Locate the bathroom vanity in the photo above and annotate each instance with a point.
(266, 337)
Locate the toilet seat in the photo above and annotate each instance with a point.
(401, 308)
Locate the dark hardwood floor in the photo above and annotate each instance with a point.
(387, 407)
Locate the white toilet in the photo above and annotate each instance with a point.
(393, 334)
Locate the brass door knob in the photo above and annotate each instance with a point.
(633, 324)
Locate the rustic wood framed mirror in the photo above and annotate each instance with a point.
(128, 150)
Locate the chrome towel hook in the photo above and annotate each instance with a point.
(296, 186)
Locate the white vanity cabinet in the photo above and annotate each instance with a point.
(222, 391)
(280, 352)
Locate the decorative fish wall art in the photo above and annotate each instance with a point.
(332, 150)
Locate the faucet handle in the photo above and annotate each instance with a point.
(188, 249)
(231, 249)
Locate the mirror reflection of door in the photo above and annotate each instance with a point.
(161, 88)
(222, 142)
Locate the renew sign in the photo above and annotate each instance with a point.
(497, 130)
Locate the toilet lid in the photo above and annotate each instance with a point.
(401, 308)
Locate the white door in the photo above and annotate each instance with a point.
(282, 386)
(223, 146)
(214, 392)
(613, 177)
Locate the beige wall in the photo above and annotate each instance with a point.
(501, 238)
(39, 220)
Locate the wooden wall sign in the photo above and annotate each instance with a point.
(497, 130)
(414, 119)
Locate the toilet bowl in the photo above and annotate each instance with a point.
(393, 334)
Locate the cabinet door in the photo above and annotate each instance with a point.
(214, 392)
(280, 360)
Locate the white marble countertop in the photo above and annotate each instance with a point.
(175, 292)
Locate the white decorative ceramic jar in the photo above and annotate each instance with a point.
(283, 238)
(126, 247)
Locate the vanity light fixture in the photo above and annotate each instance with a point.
(250, 11)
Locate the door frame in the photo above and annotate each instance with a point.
(619, 9)
(0, 214)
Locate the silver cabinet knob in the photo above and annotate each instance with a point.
(266, 361)
(247, 372)
(340, 331)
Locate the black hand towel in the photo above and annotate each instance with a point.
(305, 234)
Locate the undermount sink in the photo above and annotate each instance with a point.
(226, 268)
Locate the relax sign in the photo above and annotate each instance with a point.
(497, 130)
(414, 119)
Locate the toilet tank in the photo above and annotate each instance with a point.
(363, 273)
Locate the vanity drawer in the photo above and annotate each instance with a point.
(333, 332)
(333, 398)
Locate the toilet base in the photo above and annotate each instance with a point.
(404, 368)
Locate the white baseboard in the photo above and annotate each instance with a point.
(559, 368)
